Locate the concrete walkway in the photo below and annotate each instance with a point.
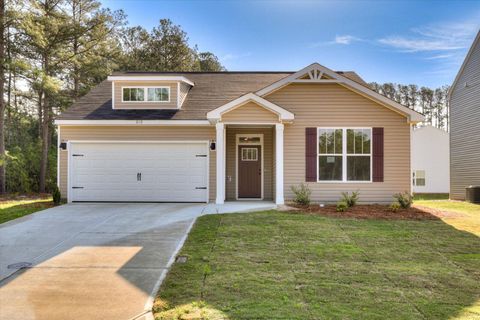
(94, 261)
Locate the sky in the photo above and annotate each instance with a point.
(419, 42)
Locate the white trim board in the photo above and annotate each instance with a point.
(284, 115)
(411, 115)
(58, 157)
(151, 78)
(145, 94)
(132, 122)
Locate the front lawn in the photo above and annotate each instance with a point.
(460, 214)
(13, 208)
(272, 265)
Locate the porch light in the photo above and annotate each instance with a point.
(212, 145)
(63, 146)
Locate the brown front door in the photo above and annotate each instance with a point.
(249, 171)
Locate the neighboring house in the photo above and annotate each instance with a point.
(216, 136)
(430, 160)
(464, 99)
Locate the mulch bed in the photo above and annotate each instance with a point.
(370, 211)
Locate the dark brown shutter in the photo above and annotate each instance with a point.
(377, 154)
(311, 154)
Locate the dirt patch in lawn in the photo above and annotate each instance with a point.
(441, 213)
(372, 211)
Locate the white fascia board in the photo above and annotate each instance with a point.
(412, 116)
(151, 78)
(283, 114)
(132, 122)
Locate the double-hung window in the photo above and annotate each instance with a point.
(419, 178)
(146, 94)
(344, 154)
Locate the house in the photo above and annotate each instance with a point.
(217, 136)
(430, 160)
(464, 97)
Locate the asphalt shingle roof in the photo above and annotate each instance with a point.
(211, 90)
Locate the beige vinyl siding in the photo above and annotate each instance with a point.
(184, 88)
(118, 92)
(251, 113)
(136, 133)
(331, 105)
(231, 174)
(465, 127)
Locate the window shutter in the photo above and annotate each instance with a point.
(311, 154)
(377, 154)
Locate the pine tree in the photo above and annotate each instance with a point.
(2, 100)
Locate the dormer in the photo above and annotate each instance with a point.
(149, 91)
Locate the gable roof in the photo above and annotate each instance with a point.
(282, 113)
(316, 73)
(212, 90)
(465, 61)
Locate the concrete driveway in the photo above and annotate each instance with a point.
(90, 261)
(94, 261)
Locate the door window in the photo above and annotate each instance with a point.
(249, 154)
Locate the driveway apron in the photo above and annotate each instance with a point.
(89, 261)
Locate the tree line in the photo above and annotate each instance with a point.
(53, 52)
(432, 103)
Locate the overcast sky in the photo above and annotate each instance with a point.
(421, 42)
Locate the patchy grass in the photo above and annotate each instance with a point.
(272, 265)
(16, 207)
(451, 205)
(460, 214)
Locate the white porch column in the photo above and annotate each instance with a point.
(279, 127)
(220, 148)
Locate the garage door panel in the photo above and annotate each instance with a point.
(169, 172)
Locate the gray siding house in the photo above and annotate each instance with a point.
(465, 124)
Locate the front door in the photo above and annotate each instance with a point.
(249, 172)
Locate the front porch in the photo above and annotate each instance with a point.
(249, 150)
(249, 162)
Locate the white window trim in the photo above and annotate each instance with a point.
(260, 143)
(415, 177)
(145, 94)
(345, 155)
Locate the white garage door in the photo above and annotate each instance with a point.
(170, 172)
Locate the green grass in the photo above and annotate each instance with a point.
(271, 265)
(431, 196)
(12, 209)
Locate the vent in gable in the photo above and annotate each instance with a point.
(314, 75)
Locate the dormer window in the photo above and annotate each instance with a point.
(146, 94)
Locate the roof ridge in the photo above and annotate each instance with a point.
(202, 72)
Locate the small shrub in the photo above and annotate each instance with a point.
(350, 200)
(56, 195)
(404, 199)
(395, 206)
(342, 206)
(302, 194)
